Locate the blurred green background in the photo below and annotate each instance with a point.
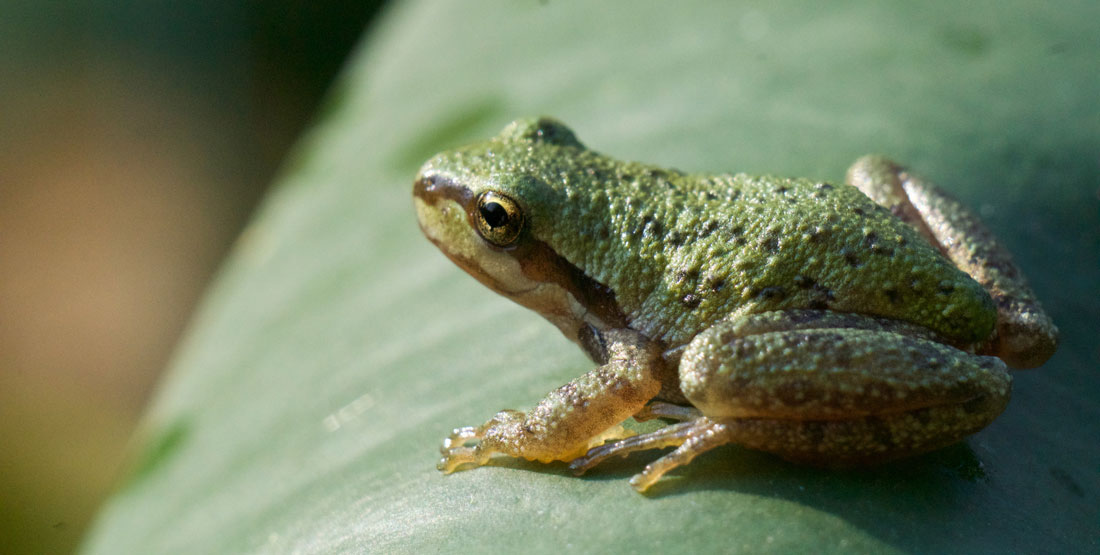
(135, 138)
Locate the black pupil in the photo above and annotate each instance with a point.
(495, 215)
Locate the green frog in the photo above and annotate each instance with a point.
(828, 324)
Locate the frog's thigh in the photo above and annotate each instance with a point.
(840, 396)
(1025, 335)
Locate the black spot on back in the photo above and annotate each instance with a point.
(771, 293)
(850, 257)
(691, 300)
(689, 275)
(770, 242)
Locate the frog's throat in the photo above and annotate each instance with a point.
(530, 273)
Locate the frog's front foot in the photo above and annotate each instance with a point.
(456, 452)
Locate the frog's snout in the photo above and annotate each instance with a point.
(423, 186)
(432, 188)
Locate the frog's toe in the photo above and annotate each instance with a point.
(690, 438)
(456, 453)
(703, 435)
(459, 437)
(664, 437)
(460, 456)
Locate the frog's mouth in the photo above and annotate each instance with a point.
(529, 272)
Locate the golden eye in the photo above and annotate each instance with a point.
(499, 218)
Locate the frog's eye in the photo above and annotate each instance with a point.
(499, 218)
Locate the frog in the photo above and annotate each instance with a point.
(830, 324)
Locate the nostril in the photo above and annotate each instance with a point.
(423, 185)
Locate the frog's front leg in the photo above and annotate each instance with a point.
(1025, 336)
(823, 388)
(571, 418)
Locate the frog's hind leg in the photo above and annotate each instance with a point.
(823, 388)
(690, 438)
(1025, 337)
(837, 389)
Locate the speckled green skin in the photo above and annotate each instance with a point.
(683, 251)
(795, 317)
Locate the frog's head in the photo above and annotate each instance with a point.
(491, 207)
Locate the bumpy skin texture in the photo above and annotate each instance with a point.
(683, 251)
(792, 316)
(1025, 336)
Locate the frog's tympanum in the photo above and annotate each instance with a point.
(828, 324)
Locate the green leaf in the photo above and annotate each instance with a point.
(305, 409)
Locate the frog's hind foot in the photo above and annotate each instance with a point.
(690, 438)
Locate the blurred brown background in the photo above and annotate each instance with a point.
(135, 138)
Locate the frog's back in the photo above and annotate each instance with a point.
(739, 244)
(679, 252)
